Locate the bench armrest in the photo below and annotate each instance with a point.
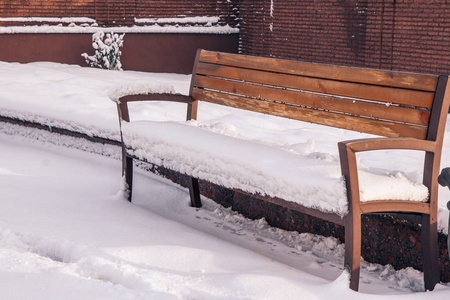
(361, 145)
(347, 154)
(148, 91)
(122, 103)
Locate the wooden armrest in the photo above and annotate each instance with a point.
(361, 145)
(349, 169)
(158, 96)
(122, 103)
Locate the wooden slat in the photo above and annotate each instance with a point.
(341, 73)
(440, 110)
(319, 101)
(159, 97)
(394, 206)
(346, 89)
(343, 121)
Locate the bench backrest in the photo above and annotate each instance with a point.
(385, 103)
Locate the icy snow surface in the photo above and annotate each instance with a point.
(67, 233)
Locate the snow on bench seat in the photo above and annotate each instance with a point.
(257, 167)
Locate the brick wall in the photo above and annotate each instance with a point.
(224, 9)
(409, 35)
(118, 12)
(48, 8)
(158, 52)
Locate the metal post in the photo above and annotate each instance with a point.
(444, 180)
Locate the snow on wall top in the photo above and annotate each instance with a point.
(184, 20)
(199, 24)
(49, 19)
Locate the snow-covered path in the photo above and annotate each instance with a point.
(67, 233)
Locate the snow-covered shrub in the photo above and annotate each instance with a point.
(107, 51)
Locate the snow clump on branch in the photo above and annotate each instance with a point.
(107, 51)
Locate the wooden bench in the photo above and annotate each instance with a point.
(407, 111)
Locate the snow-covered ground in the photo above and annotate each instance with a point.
(67, 233)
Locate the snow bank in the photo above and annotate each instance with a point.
(73, 97)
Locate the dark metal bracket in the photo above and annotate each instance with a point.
(444, 180)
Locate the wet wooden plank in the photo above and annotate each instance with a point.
(401, 96)
(320, 101)
(341, 73)
(339, 120)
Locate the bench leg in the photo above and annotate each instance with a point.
(194, 192)
(430, 253)
(352, 260)
(127, 172)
